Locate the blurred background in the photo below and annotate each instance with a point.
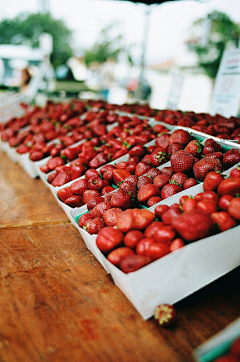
(164, 54)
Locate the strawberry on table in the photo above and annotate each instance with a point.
(182, 161)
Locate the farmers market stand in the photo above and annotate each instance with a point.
(58, 304)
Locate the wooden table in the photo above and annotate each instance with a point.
(57, 303)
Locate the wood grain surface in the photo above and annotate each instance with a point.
(59, 305)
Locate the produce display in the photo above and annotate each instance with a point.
(115, 169)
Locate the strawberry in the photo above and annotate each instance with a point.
(138, 151)
(230, 158)
(74, 201)
(230, 186)
(91, 172)
(181, 161)
(153, 173)
(95, 183)
(152, 228)
(174, 147)
(170, 214)
(180, 136)
(153, 200)
(212, 180)
(119, 175)
(146, 192)
(133, 179)
(142, 168)
(193, 225)
(179, 178)
(90, 194)
(121, 199)
(78, 187)
(205, 165)
(159, 210)
(161, 180)
(194, 148)
(132, 237)
(132, 263)
(168, 170)
(170, 190)
(224, 202)
(222, 220)
(165, 315)
(144, 180)
(134, 219)
(93, 226)
(93, 202)
(110, 216)
(64, 193)
(211, 146)
(190, 182)
(61, 179)
(129, 187)
(158, 157)
(207, 205)
(235, 172)
(84, 219)
(100, 209)
(234, 208)
(162, 141)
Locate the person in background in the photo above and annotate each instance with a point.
(25, 80)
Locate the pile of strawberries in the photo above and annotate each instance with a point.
(217, 125)
(140, 236)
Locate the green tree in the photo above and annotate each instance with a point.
(109, 45)
(26, 29)
(223, 33)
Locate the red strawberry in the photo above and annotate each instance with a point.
(132, 237)
(95, 183)
(153, 173)
(129, 187)
(211, 146)
(158, 157)
(84, 219)
(161, 180)
(146, 192)
(133, 179)
(132, 263)
(222, 220)
(120, 175)
(121, 199)
(159, 210)
(230, 186)
(110, 216)
(180, 136)
(64, 193)
(93, 202)
(90, 194)
(168, 170)
(193, 225)
(174, 147)
(78, 187)
(230, 158)
(205, 165)
(190, 182)
(207, 205)
(137, 151)
(179, 178)
(100, 209)
(235, 172)
(234, 208)
(212, 180)
(74, 201)
(162, 141)
(153, 200)
(144, 180)
(170, 214)
(93, 226)
(224, 202)
(142, 168)
(182, 161)
(134, 219)
(194, 148)
(170, 190)
(61, 179)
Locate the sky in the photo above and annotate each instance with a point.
(168, 28)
